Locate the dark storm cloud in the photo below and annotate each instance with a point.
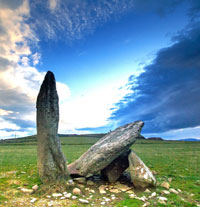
(167, 95)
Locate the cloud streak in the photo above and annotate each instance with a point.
(72, 20)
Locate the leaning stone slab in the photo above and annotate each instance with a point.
(116, 168)
(51, 161)
(108, 148)
(140, 174)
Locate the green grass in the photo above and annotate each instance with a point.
(177, 160)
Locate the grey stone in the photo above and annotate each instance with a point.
(83, 201)
(116, 168)
(108, 148)
(51, 161)
(80, 180)
(140, 174)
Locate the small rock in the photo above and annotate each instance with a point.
(107, 199)
(33, 200)
(70, 183)
(81, 180)
(170, 180)
(76, 191)
(83, 201)
(143, 198)
(153, 194)
(147, 191)
(90, 183)
(166, 192)
(179, 190)
(102, 189)
(56, 195)
(48, 196)
(50, 203)
(146, 204)
(74, 197)
(35, 187)
(122, 187)
(162, 202)
(24, 190)
(103, 203)
(130, 192)
(172, 190)
(114, 190)
(67, 195)
(132, 195)
(92, 191)
(162, 198)
(165, 185)
(62, 198)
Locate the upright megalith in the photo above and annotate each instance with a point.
(51, 161)
(107, 149)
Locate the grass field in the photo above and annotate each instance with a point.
(179, 161)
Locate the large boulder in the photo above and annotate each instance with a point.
(140, 174)
(116, 168)
(107, 149)
(51, 161)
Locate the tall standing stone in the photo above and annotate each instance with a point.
(51, 161)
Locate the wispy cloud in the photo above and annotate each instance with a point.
(72, 20)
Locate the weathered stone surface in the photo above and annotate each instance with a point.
(141, 176)
(115, 169)
(51, 161)
(106, 150)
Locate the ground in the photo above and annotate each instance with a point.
(177, 163)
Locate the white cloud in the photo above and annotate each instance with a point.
(36, 58)
(5, 112)
(8, 125)
(92, 109)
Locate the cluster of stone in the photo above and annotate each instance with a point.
(111, 155)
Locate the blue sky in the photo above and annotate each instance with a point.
(115, 61)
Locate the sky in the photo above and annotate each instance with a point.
(115, 62)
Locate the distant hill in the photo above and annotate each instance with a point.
(190, 140)
(141, 137)
(155, 138)
(65, 138)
